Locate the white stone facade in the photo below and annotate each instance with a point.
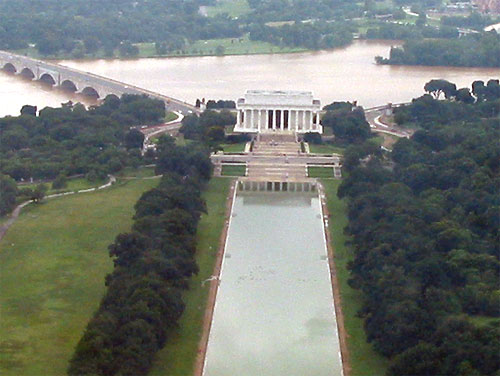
(263, 111)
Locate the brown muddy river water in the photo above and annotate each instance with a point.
(344, 74)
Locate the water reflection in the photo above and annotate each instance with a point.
(274, 313)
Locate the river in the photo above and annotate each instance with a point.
(343, 74)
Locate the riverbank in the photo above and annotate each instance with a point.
(362, 359)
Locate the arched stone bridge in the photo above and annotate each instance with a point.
(81, 82)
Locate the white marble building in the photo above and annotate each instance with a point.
(265, 111)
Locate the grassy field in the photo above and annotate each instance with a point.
(234, 8)
(178, 356)
(325, 149)
(170, 116)
(319, 172)
(364, 360)
(230, 46)
(53, 261)
(234, 148)
(73, 185)
(233, 170)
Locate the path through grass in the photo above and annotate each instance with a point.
(53, 261)
(364, 360)
(178, 356)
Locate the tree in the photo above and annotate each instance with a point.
(437, 87)
(60, 182)
(39, 192)
(8, 193)
(350, 126)
(134, 139)
(464, 95)
(28, 110)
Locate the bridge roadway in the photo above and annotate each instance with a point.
(82, 82)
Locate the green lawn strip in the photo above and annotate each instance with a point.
(141, 172)
(233, 170)
(53, 261)
(483, 320)
(178, 356)
(364, 359)
(325, 149)
(170, 116)
(319, 172)
(76, 184)
(231, 46)
(234, 148)
(234, 8)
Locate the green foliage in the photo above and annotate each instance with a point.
(425, 239)
(60, 26)
(153, 264)
(73, 140)
(347, 125)
(474, 50)
(8, 193)
(314, 35)
(61, 181)
(209, 126)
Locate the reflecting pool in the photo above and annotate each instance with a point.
(274, 312)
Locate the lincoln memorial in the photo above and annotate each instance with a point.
(264, 111)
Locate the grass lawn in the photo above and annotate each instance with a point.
(325, 149)
(178, 356)
(53, 261)
(170, 116)
(233, 170)
(364, 360)
(319, 172)
(234, 148)
(73, 185)
(483, 320)
(234, 8)
(142, 172)
(231, 46)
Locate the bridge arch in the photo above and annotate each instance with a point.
(9, 68)
(47, 78)
(90, 92)
(28, 73)
(69, 85)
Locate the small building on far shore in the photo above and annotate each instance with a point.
(278, 112)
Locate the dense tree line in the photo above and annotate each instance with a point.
(348, 122)
(473, 50)
(152, 267)
(208, 127)
(295, 10)
(425, 237)
(475, 21)
(83, 27)
(311, 35)
(74, 140)
(388, 30)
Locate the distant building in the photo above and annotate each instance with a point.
(264, 111)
